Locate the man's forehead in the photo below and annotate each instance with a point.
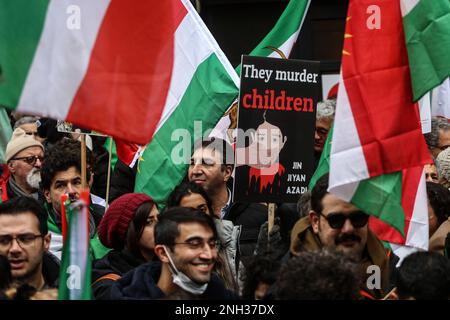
(430, 168)
(206, 153)
(331, 203)
(21, 222)
(194, 230)
(66, 175)
(30, 151)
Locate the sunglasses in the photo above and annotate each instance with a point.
(337, 220)
(31, 160)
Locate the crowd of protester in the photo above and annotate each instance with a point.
(199, 244)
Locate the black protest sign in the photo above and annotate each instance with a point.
(276, 121)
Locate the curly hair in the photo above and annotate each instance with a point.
(318, 275)
(65, 154)
(326, 109)
(439, 198)
(261, 268)
(437, 124)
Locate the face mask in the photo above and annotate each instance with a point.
(183, 281)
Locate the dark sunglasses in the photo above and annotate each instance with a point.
(337, 220)
(31, 160)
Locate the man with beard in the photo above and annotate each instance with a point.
(338, 225)
(24, 241)
(24, 156)
(61, 174)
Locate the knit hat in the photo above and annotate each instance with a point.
(443, 160)
(114, 224)
(20, 141)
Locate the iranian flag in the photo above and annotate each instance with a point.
(75, 271)
(378, 150)
(105, 65)
(203, 85)
(278, 43)
(427, 34)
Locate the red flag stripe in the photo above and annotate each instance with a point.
(130, 68)
(379, 90)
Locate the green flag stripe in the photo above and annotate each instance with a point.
(205, 99)
(287, 25)
(381, 197)
(427, 34)
(19, 38)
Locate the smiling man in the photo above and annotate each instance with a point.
(24, 240)
(339, 225)
(186, 245)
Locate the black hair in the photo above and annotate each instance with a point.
(65, 154)
(260, 268)
(24, 204)
(318, 193)
(439, 198)
(166, 230)
(217, 144)
(5, 273)
(185, 189)
(424, 276)
(136, 228)
(318, 275)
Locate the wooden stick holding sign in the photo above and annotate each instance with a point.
(108, 179)
(270, 221)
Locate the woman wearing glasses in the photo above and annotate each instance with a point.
(127, 228)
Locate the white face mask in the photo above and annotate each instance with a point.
(182, 280)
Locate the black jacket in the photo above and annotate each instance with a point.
(115, 262)
(122, 180)
(140, 284)
(50, 270)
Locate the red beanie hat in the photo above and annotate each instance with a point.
(114, 224)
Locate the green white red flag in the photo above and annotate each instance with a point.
(378, 150)
(427, 35)
(105, 65)
(203, 85)
(75, 270)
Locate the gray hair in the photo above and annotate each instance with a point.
(437, 124)
(326, 109)
(25, 120)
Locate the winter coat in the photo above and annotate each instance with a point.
(229, 254)
(250, 216)
(437, 240)
(141, 284)
(122, 180)
(109, 269)
(50, 270)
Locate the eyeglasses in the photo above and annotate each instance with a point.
(337, 220)
(197, 244)
(31, 160)
(24, 240)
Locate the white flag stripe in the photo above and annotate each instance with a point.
(69, 49)
(347, 161)
(407, 5)
(417, 235)
(192, 47)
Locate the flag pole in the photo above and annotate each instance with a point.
(108, 179)
(271, 221)
(83, 161)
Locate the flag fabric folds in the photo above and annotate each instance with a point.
(104, 65)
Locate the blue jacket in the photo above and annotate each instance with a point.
(140, 284)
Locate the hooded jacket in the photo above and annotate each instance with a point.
(141, 284)
(303, 238)
(115, 263)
